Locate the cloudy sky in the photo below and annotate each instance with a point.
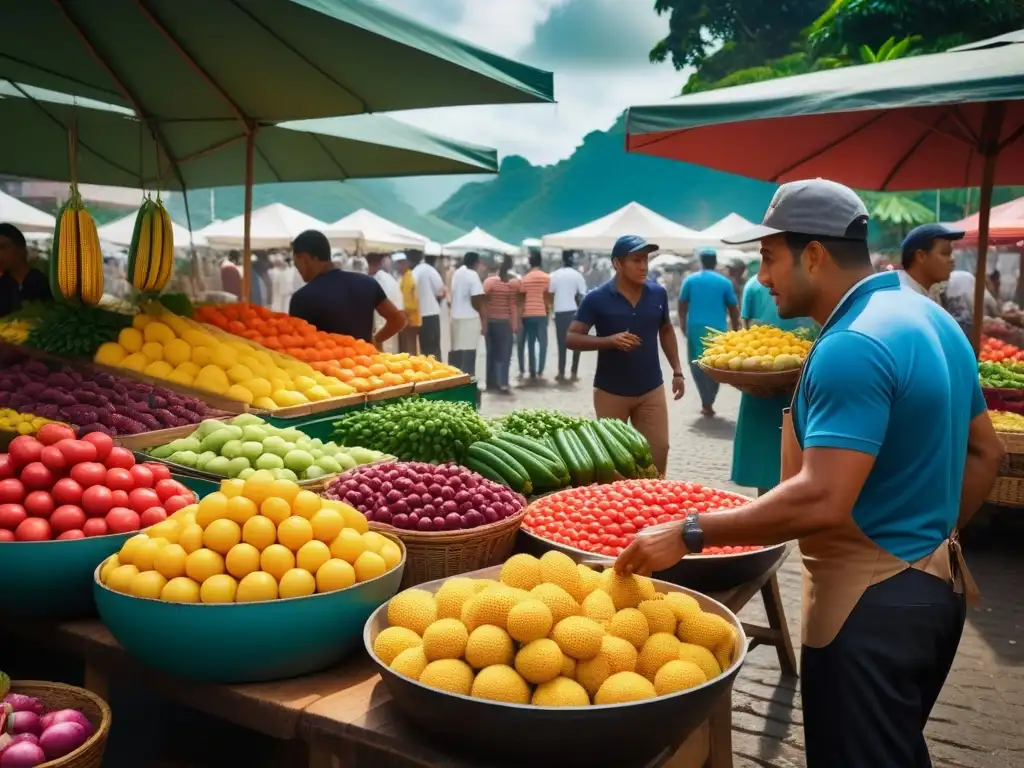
(596, 48)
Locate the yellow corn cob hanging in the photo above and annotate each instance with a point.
(142, 258)
(91, 259)
(156, 238)
(167, 256)
(68, 264)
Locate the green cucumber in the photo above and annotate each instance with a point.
(623, 460)
(584, 475)
(572, 460)
(604, 467)
(533, 446)
(541, 474)
(637, 443)
(485, 470)
(503, 463)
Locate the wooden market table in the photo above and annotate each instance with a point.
(345, 718)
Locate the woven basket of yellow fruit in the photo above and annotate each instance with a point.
(261, 580)
(763, 361)
(544, 662)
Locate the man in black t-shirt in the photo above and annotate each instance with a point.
(19, 282)
(336, 301)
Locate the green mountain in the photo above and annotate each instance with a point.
(327, 201)
(525, 200)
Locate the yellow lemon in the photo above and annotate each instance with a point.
(374, 541)
(120, 579)
(148, 584)
(257, 486)
(392, 554)
(191, 537)
(333, 575)
(275, 509)
(296, 583)
(204, 563)
(259, 387)
(294, 531)
(369, 565)
(135, 362)
(256, 587)
(312, 555)
(306, 504)
(212, 507)
(168, 529)
(260, 532)
(180, 590)
(130, 339)
(353, 517)
(218, 589)
(327, 524)
(277, 560)
(232, 488)
(348, 545)
(222, 535)
(177, 352)
(158, 369)
(239, 393)
(145, 554)
(170, 561)
(242, 559)
(239, 508)
(284, 489)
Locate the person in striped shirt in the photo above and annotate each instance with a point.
(501, 292)
(535, 304)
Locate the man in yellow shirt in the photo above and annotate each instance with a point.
(408, 337)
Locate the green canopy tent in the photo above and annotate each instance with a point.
(251, 61)
(945, 120)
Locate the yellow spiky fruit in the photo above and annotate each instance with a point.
(155, 256)
(90, 259)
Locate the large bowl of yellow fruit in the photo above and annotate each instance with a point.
(762, 360)
(260, 580)
(544, 662)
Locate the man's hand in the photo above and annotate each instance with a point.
(654, 549)
(678, 387)
(624, 341)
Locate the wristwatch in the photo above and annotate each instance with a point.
(693, 534)
(677, 375)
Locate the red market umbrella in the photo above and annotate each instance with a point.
(1005, 226)
(945, 120)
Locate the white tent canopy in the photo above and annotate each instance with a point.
(631, 219)
(120, 233)
(273, 226)
(24, 216)
(366, 232)
(727, 226)
(479, 240)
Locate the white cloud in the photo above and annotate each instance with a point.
(597, 49)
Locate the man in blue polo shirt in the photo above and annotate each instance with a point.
(630, 316)
(888, 452)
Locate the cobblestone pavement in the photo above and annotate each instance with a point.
(979, 719)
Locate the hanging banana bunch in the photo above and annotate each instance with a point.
(76, 261)
(151, 255)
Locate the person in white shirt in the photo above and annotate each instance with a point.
(568, 288)
(928, 257)
(429, 288)
(467, 303)
(377, 269)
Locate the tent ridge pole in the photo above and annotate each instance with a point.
(991, 129)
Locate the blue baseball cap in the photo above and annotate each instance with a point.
(628, 244)
(920, 238)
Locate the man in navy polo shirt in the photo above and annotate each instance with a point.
(630, 316)
(928, 256)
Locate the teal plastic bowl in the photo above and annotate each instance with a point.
(246, 642)
(52, 579)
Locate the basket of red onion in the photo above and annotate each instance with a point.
(450, 519)
(52, 725)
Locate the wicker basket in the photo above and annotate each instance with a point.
(1013, 460)
(756, 383)
(59, 696)
(1007, 492)
(439, 554)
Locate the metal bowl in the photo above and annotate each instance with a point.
(705, 573)
(546, 737)
(245, 642)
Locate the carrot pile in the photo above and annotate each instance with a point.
(353, 361)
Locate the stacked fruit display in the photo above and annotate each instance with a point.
(30, 735)
(247, 443)
(73, 330)
(998, 351)
(55, 486)
(94, 401)
(425, 497)
(1002, 375)
(253, 540)
(1004, 421)
(604, 519)
(757, 349)
(554, 634)
(173, 348)
(346, 358)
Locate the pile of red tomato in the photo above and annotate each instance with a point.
(604, 518)
(996, 351)
(54, 486)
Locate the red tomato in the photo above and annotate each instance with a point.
(53, 459)
(89, 473)
(67, 491)
(6, 466)
(50, 434)
(160, 471)
(152, 516)
(74, 533)
(120, 498)
(24, 449)
(122, 520)
(143, 476)
(103, 443)
(77, 451)
(67, 517)
(6, 535)
(11, 516)
(33, 529)
(119, 457)
(97, 501)
(95, 526)
(39, 504)
(174, 503)
(142, 499)
(167, 488)
(119, 479)
(36, 476)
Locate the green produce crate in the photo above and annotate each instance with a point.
(300, 422)
(197, 485)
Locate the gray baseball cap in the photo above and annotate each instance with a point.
(810, 207)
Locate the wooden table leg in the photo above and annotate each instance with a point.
(777, 621)
(96, 681)
(720, 752)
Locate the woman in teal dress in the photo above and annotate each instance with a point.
(757, 446)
